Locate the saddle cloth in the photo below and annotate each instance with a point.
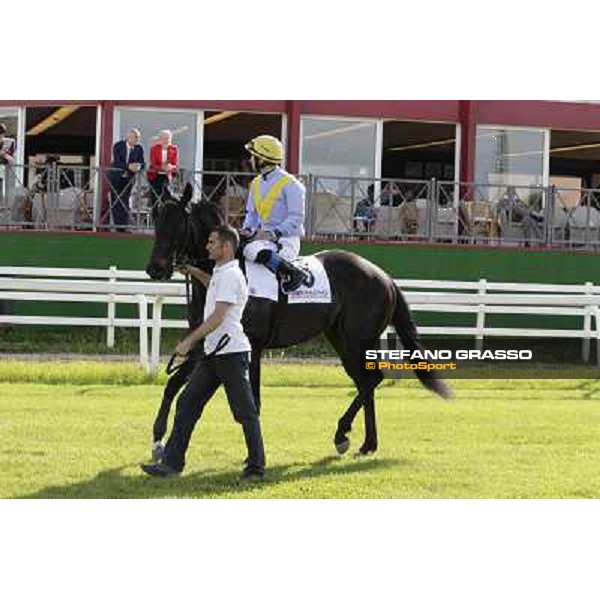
(262, 283)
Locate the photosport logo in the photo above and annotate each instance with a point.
(494, 358)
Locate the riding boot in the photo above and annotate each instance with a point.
(291, 276)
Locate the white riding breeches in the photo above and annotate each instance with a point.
(290, 248)
(262, 283)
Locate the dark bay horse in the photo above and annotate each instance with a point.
(365, 301)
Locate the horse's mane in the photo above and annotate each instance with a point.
(206, 214)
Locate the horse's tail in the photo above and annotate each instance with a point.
(409, 336)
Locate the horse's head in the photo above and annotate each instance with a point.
(181, 233)
(170, 215)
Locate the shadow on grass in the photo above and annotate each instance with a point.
(114, 483)
(590, 389)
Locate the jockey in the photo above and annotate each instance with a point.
(274, 214)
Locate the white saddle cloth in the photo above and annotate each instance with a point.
(263, 284)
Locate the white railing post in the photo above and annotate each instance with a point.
(112, 308)
(156, 331)
(596, 313)
(587, 323)
(143, 314)
(480, 315)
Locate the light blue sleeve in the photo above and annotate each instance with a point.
(295, 194)
(251, 220)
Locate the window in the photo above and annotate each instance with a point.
(183, 125)
(339, 148)
(511, 156)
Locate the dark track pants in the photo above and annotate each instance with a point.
(231, 370)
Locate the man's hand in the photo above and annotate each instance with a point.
(266, 235)
(184, 347)
(183, 269)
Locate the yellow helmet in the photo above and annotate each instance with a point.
(267, 147)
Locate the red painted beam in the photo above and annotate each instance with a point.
(49, 102)
(269, 106)
(427, 110)
(468, 124)
(293, 136)
(539, 113)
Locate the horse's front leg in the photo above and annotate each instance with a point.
(341, 440)
(364, 399)
(175, 383)
(255, 360)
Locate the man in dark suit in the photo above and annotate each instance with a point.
(128, 160)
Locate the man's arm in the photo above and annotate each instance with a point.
(202, 276)
(208, 326)
(119, 156)
(142, 160)
(295, 194)
(251, 221)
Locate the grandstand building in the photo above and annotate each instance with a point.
(537, 142)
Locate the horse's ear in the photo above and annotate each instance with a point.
(188, 192)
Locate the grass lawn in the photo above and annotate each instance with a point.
(78, 430)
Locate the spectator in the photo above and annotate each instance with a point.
(164, 162)
(511, 208)
(240, 184)
(7, 152)
(365, 214)
(49, 175)
(128, 160)
(7, 147)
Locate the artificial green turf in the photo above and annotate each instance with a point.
(497, 439)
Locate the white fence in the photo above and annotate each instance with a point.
(113, 286)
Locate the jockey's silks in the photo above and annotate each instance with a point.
(264, 206)
(276, 200)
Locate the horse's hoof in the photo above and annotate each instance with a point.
(364, 452)
(158, 451)
(342, 447)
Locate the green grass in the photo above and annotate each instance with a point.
(497, 439)
(92, 340)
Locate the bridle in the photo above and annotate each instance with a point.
(181, 252)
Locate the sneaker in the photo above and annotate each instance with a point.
(160, 469)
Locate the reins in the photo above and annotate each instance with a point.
(223, 341)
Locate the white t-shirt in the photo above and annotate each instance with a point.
(227, 284)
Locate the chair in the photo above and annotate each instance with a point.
(234, 208)
(479, 219)
(584, 225)
(509, 230)
(560, 221)
(389, 220)
(64, 209)
(331, 214)
(444, 226)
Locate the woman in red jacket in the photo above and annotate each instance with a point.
(164, 162)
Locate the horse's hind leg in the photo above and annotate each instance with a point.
(370, 444)
(366, 382)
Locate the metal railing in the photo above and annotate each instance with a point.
(59, 197)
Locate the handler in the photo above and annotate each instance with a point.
(226, 298)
